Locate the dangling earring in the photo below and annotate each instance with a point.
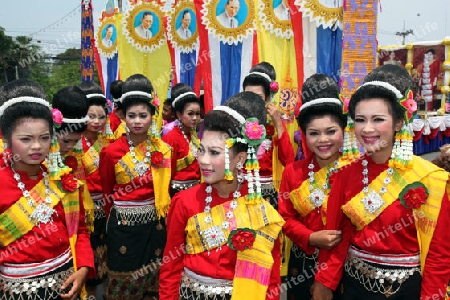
(240, 175)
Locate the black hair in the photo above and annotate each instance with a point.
(248, 105)
(115, 88)
(73, 104)
(146, 13)
(329, 90)
(257, 80)
(392, 74)
(89, 88)
(14, 113)
(431, 50)
(137, 82)
(184, 13)
(177, 90)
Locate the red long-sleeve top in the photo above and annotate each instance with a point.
(46, 241)
(286, 153)
(139, 189)
(216, 264)
(298, 228)
(180, 146)
(392, 232)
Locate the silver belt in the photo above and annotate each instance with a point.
(211, 288)
(29, 287)
(183, 185)
(133, 216)
(375, 279)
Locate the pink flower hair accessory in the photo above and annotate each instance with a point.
(345, 103)
(409, 105)
(57, 117)
(253, 132)
(274, 87)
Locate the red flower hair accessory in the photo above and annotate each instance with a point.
(345, 104)
(241, 239)
(274, 87)
(414, 195)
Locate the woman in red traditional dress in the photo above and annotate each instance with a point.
(391, 206)
(183, 138)
(135, 173)
(45, 251)
(305, 184)
(261, 81)
(223, 236)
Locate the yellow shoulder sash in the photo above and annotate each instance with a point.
(16, 221)
(361, 216)
(121, 130)
(302, 197)
(92, 157)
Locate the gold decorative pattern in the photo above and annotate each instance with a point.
(228, 35)
(107, 51)
(184, 45)
(266, 14)
(328, 17)
(140, 43)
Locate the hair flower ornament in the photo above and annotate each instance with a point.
(274, 87)
(345, 103)
(57, 117)
(253, 132)
(410, 106)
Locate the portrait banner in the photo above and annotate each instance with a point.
(228, 47)
(143, 26)
(106, 56)
(182, 34)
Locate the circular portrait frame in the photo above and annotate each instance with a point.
(107, 51)
(173, 19)
(130, 25)
(328, 17)
(266, 14)
(210, 18)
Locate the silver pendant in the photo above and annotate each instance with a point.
(43, 213)
(141, 168)
(317, 197)
(372, 202)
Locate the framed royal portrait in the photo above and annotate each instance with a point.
(143, 26)
(182, 27)
(106, 37)
(275, 16)
(229, 20)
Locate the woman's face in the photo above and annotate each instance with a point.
(375, 128)
(190, 116)
(258, 90)
(30, 142)
(67, 140)
(211, 157)
(138, 119)
(97, 118)
(324, 138)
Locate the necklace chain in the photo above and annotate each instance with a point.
(318, 194)
(141, 167)
(192, 147)
(42, 212)
(372, 200)
(233, 205)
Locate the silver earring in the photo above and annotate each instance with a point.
(239, 165)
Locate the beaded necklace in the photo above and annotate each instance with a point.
(141, 167)
(318, 194)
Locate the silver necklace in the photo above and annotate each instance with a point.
(191, 145)
(372, 200)
(318, 194)
(141, 167)
(42, 212)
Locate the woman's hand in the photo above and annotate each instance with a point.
(77, 280)
(325, 239)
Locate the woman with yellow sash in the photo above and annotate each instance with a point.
(305, 184)
(135, 174)
(183, 138)
(223, 236)
(97, 135)
(45, 251)
(391, 206)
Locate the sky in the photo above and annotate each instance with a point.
(57, 22)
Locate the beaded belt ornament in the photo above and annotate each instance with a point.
(183, 185)
(216, 289)
(133, 216)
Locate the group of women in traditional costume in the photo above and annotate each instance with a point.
(98, 199)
